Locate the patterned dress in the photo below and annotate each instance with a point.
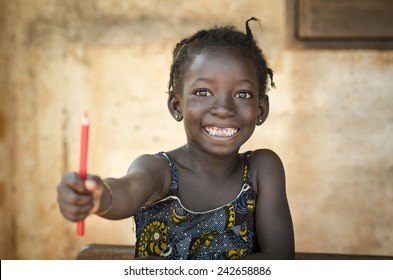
(167, 229)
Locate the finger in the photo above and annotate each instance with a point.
(74, 182)
(96, 189)
(69, 196)
(72, 208)
(75, 213)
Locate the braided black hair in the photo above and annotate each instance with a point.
(227, 37)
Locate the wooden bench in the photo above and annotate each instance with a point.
(126, 252)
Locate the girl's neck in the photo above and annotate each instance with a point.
(211, 165)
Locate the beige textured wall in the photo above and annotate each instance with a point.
(331, 118)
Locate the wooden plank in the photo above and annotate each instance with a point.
(126, 252)
(345, 19)
(106, 252)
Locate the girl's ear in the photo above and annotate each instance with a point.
(174, 106)
(263, 110)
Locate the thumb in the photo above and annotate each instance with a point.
(96, 190)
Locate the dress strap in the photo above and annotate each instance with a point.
(247, 171)
(175, 179)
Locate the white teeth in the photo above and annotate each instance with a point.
(221, 132)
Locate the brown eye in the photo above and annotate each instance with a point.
(243, 95)
(203, 92)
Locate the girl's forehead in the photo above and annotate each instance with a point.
(210, 61)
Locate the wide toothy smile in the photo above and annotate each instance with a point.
(221, 132)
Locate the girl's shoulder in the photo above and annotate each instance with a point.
(266, 168)
(150, 162)
(264, 156)
(153, 170)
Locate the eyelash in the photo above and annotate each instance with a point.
(246, 94)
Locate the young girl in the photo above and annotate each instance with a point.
(203, 200)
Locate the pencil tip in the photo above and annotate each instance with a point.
(85, 119)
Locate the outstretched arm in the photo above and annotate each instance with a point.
(148, 179)
(274, 228)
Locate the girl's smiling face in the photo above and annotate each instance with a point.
(220, 102)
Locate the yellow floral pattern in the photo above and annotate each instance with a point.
(203, 239)
(153, 239)
(178, 219)
(236, 253)
(230, 215)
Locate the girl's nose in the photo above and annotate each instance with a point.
(223, 106)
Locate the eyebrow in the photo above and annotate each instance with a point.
(202, 79)
(210, 81)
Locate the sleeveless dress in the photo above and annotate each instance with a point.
(167, 229)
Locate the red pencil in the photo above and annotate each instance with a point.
(80, 226)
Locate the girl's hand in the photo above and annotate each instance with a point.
(78, 198)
